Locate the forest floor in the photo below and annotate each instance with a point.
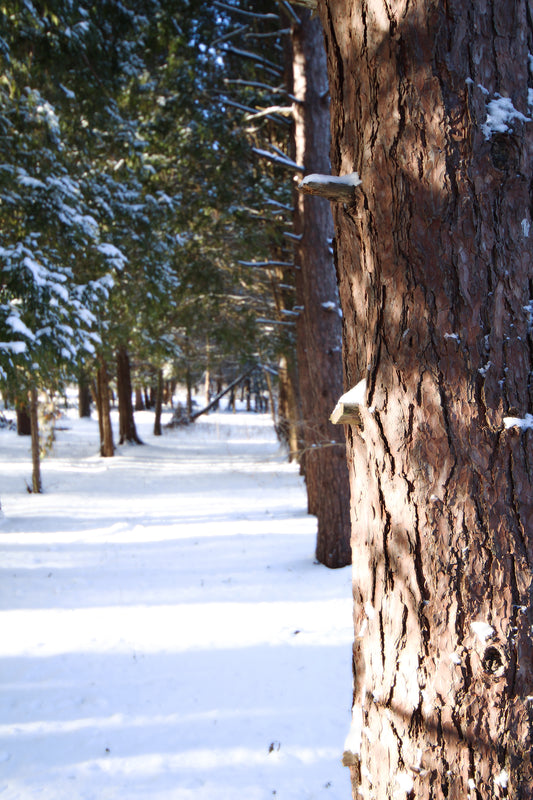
(165, 633)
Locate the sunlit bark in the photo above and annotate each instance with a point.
(318, 327)
(127, 429)
(435, 268)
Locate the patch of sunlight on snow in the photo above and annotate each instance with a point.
(204, 759)
(114, 722)
(173, 629)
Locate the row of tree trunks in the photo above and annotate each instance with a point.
(435, 266)
(318, 327)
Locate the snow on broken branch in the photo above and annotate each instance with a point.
(339, 189)
(348, 408)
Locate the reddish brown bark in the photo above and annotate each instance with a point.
(36, 481)
(318, 328)
(127, 429)
(107, 447)
(435, 267)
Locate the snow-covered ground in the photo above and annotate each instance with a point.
(164, 631)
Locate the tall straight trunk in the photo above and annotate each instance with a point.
(107, 447)
(127, 429)
(318, 327)
(35, 446)
(207, 379)
(288, 422)
(84, 396)
(139, 401)
(436, 275)
(188, 381)
(158, 404)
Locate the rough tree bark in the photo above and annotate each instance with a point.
(318, 326)
(127, 429)
(435, 267)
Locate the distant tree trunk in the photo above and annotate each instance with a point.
(318, 327)
(35, 446)
(288, 422)
(232, 399)
(272, 404)
(218, 383)
(207, 377)
(435, 265)
(188, 380)
(107, 447)
(158, 404)
(23, 420)
(139, 402)
(127, 430)
(84, 396)
(246, 394)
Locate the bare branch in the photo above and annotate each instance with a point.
(268, 264)
(291, 12)
(261, 321)
(283, 161)
(268, 35)
(256, 85)
(236, 32)
(236, 10)
(254, 57)
(286, 111)
(279, 206)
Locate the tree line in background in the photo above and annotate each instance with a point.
(152, 230)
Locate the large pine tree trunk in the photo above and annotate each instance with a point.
(318, 328)
(435, 266)
(127, 429)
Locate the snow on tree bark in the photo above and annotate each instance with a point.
(435, 269)
(318, 325)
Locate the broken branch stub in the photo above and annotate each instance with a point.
(346, 414)
(337, 189)
(348, 408)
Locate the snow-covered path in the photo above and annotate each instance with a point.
(164, 631)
